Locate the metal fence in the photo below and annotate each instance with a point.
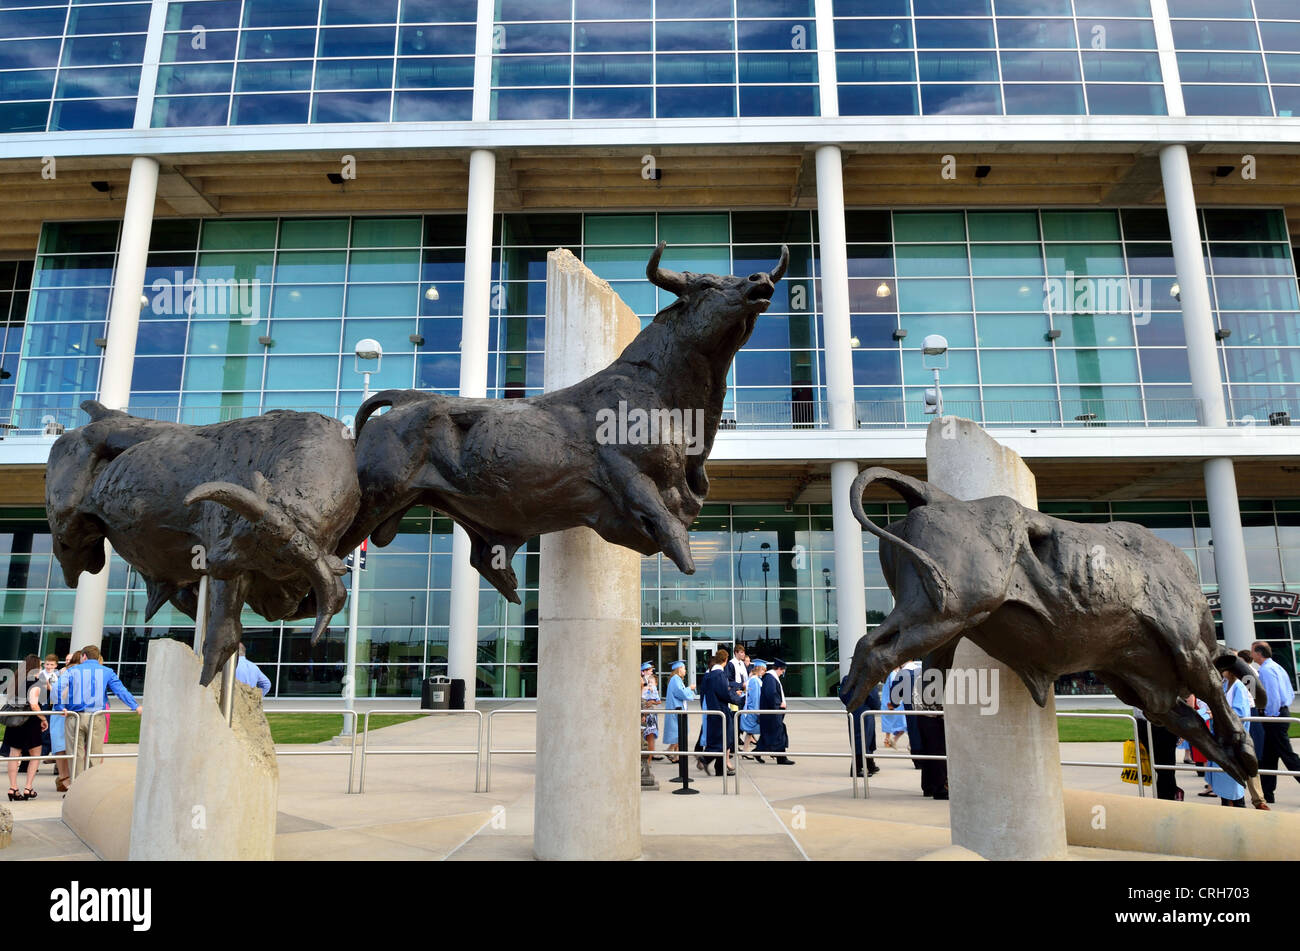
(475, 752)
(68, 754)
(843, 714)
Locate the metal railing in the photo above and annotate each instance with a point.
(866, 773)
(701, 754)
(843, 714)
(1137, 744)
(350, 753)
(490, 752)
(90, 743)
(476, 752)
(1064, 414)
(1206, 768)
(68, 754)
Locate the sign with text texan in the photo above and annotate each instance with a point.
(1266, 602)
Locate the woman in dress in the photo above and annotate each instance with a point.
(750, 727)
(23, 734)
(649, 700)
(1229, 791)
(677, 695)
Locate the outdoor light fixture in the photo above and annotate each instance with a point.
(369, 349)
(982, 171)
(336, 178)
(144, 300)
(883, 289)
(431, 293)
(101, 342)
(101, 186)
(1223, 171)
(935, 357)
(1223, 333)
(1175, 291)
(899, 333)
(1052, 334)
(417, 339)
(266, 341)
(855, 342)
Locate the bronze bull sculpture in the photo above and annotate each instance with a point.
(506, 470)
(259, 505)
(1049, 597)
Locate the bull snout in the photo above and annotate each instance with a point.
(759, 289)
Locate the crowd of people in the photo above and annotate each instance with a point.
(82, 686)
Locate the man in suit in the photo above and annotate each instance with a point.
(716, 693)
(773, 737)
(872, 702)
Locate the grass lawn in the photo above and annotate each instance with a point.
(1078, 730)
(286, 727)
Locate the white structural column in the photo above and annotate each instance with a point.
(462, 636)
(850, 582)
(1207, 386)
(119, 359)
(1004, 760)
(587, 803)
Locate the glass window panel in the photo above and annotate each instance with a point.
(270, 110)
(280, 12)
(1036, 66)
(209, 15)
(315, 267)
(1096, 366)
(999, 294)
(1012, 330)
(1118, 34)
(940, 296)
(1047, 100)
(1094, 330)
(451, 71)
(117, 18)
(929, 226)
(619, 229)
(871, 261)
(1030, 8)
(1121, 67)
(1150, 259)
(533, 9)
(1003, 225)
(1080, 226)
(299, 372)
(1258, 259)
(1284, 37)
(161, 337)
(75, 83)
(696, 68)
(21, 24)
(305, 336)
(426, 41)
(959, 329)
(24, 117)
(277, 44)
(1227, 100)
(196, 78)
(954, 34)
(1245, 224)
(878, 101)
(102, 50)
(70, 304)
(945, 8)
(610, 70)
(1085, 260)
(876, 367)
(179, 47)
(386, 233)
(1125, 100)
(1274, 9)
(932, 260)
(1161, 365)
(698, 35)
(273, 76)
(1214, 35)
(873, 34)
(224, 336)
(1006, 260)
(1223, 9)
(532, 103)
(775, 35)
(355, 74)
(1017, 366)
(237, 234)
(1246, 293)
(1219, 68)
(432, 106)
(613, 103)
(680, 9)
(359, 11)
(778, 100)
(962, 369)
(85, 270)
(1036, 34)
(875, 67)
(308, 301)
(1161, 330)
(383, 300)
(352, 107)
(28, 54)
(966, 66)
(228, 374)
(693, 229)
(961, 100)
(778, 68)
(313, 233)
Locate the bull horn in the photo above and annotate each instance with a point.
(244, 501)
(661, 276)
(778, 272)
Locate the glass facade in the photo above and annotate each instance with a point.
(77, 65)
(997, 57)
(765, 577)
(1051, 315)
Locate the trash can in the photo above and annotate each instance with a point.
(435, 693)
(458, 695)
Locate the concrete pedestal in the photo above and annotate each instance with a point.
(203, 790)
(588, 788)
(1004, 773)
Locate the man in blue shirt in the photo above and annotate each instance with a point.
(84, 687)
(247, 672)
(1277, 743)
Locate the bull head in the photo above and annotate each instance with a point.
(712, 313)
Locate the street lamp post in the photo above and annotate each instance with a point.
(934, 347)
(366, 351)
(765, 547)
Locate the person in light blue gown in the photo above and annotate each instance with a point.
(675, 698)
(1229, 791)
(750, 727)
(893, 725)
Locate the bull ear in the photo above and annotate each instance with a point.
(778, 272)
(662, 277)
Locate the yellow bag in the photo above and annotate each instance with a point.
(1129, 773)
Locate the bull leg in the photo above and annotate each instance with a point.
(644, 501)
(490, 555)
(889, 645)
(221, 640)
(1238, 758)
(186, 600)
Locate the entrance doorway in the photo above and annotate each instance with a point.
(661, 649)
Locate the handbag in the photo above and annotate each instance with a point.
(16, 708)
(1129, 774)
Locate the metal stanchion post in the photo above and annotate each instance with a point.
(683, 760)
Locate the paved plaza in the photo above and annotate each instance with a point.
(425, 807)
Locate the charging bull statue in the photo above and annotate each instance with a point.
(258, 504)
(1049, 597)
(506, 470)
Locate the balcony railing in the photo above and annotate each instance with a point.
(774, 415)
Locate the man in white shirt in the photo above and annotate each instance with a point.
(1277, 743)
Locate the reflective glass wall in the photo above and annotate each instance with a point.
(1238, 57)
(1051, 316)
(765, 577)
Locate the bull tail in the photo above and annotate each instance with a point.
(915, 493)
(321, 568)
(379, 401)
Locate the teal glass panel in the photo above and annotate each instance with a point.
(1007, 260)
(619, 229)
(314, 267)
(398, 372)
(962, 368)
(938, 296)
(1256, 365)
(1255, 259)
(230, 374)
(386, 233)
(235, 265)
(958, 329)
(1003, 225)
(297, 372)
(81, 271)
(1085, 260)
(384, 265)
(393, 335)
(615, 263)
(209, 337)
(78, 237)
(1097, 366)
(1095, 330)
(1012, 330)
(1256, 293)
(701, 260)
(640, 295)
(239, 235)
(929, 226)
(305, 336)
(1002, 294)
(383, 300)
(1080, 226)
(932, 260)
(694, 229)
(1017, 366)
(74, 303)
(319, 300)
(314, 233)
